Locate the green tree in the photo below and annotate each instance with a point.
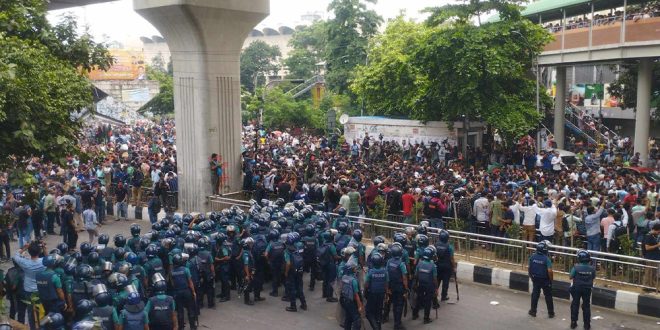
(163, 102)
(258, 60)
(158, 63)
(392, 84)
(625, 87)
(281, 110)
(453, 69)
(42, 86)
(308, 48)
(348, 34)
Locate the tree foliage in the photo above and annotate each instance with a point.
(163, 102)
(281, 110)
(457, 69)
(42, 85)
(307, 50)
(348, 35)
(258, 60)
(625, 87)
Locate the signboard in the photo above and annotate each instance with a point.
(592, 96)
(129, 65)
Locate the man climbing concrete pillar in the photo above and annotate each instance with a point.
(205, 38)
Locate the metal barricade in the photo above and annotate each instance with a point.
(507, 253)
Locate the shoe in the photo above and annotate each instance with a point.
(415, 317)
(444, 298)
(291, 309)
(427, 321)
(249, 302)
(551, 315)
(223, 299)
(399, 327)
(259, 299)
(587, 326)
(532, 313)
(386, 319)
(332, 299)
(303, 307)
(273, 294)
(573, 325)
(285, 298)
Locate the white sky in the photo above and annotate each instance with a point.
(119, 22)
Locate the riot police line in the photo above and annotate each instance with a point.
(183, 264)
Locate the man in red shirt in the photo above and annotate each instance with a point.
(408, 201)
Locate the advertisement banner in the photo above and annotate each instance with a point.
(592, 96)
(129, 65)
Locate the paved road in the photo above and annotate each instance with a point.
(474, 311)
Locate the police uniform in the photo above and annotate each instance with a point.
(152, 266)
(207, 288)
(426, 273)
(224, 268)
(248, 262)
(294, 278)
(583, 275)
(376, 283)
(349, 287)
(538, 272)
(160, 309)
(106, 315)
(133, 317)
(327, 256)
(47, 284)
(183, 296)
(309, 256)
(258, 250)
(444, 253)
(275, 253)
(397, 274)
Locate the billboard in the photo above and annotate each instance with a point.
(592, 96)
(129, 65)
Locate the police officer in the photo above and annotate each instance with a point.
(133, 243)
(583, 275)
(349, 297)
(376, 284)
(223, 269)
(154, 264)
(398, 284)
(236, 263)
(80, 289)
(160, 308)
(83, 314)
(184, 291)
(50, 287)
(293, 272)
(52, 321)
(258, 250)
(311, 246)
(445, 262)
(275, 256)
(426, 283)
(248, 270)
(105, 252)
(103, 311)
(327, 256)
(133, 316)
(206, 274)
(540, 271)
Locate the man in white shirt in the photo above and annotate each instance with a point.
(481, 209)
(556, 162)
(547, 224)
(529, 219)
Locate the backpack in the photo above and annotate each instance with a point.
(619, 231)
(297, 261)
(276, 252)
(564, 224)
(323, 253)
(260, 245)
(309, 250)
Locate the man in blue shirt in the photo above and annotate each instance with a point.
(31, 267)
(592, 221)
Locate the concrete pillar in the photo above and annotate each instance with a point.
(205, 38)
(560, 105)
(643, 113)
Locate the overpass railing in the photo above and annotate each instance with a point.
(513, 254)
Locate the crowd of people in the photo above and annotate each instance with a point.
(489, 191)
(120, 166)
(605, 19)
